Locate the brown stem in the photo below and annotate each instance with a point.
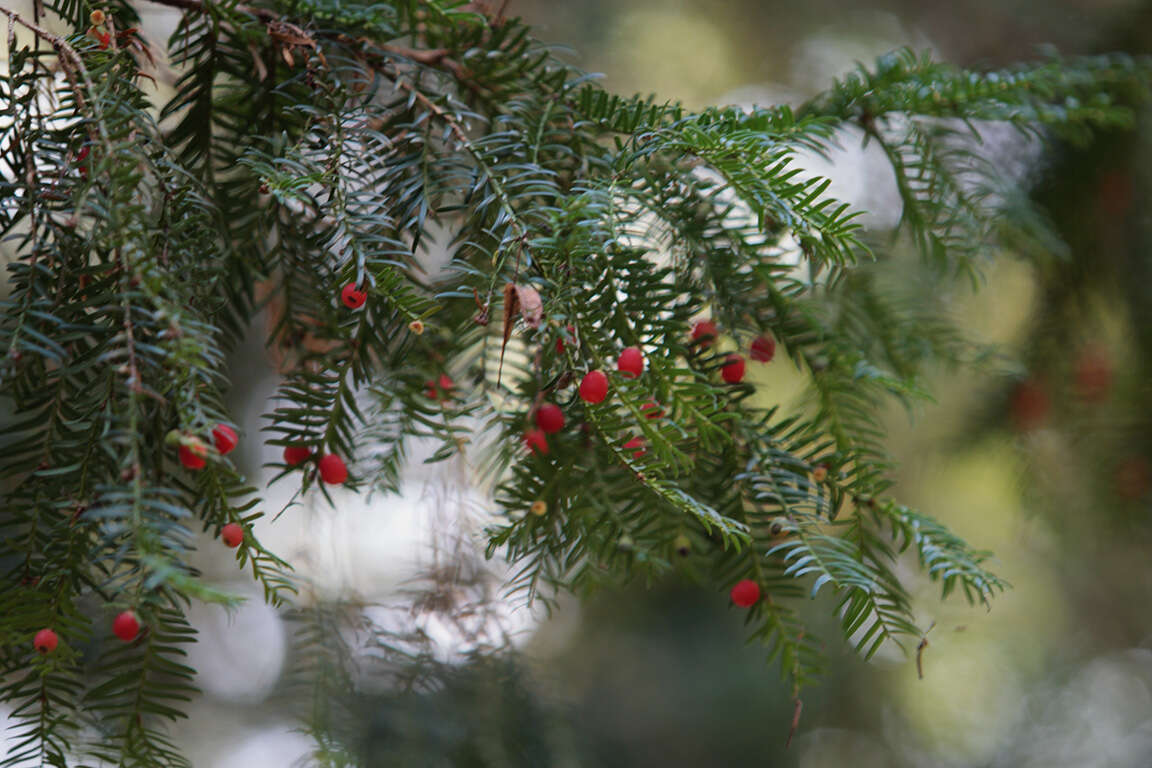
(69, 59)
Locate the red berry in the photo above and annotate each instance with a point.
(332, 469)
(705, 332)
(733, 369)
(594, 387)
(192, 455)
(550, 418)
(1030, 405)
(105, 39)
(352, 297)
(126, 626)
(1093, 375)
(295, 455)
(225, 438)
(746, 593)
(441, 389)
(232, 534)
(763, 349)
(560, 339)
(81, 156)
(45, 641)
(654, 407)
(536, 441)
(636, 445)
(631, 362)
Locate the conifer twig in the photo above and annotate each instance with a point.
(70, 60)
(429, 57)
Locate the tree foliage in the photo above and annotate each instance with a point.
(311, 145)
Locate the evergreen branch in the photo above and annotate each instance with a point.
(1067, 95)
(310, 144)
(71, 60)
(944, 556)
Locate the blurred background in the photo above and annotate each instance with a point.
(1041, 455)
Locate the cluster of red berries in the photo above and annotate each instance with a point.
(594, 386)
(332, 468)
(439, 389)
(549, 420)
(193, 452)
(125, 626)
(593, 389)
(762, 350)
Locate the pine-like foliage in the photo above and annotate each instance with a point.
(314, 144)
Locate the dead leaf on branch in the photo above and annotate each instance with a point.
(525, 301)
(288, 37)
(531, 306)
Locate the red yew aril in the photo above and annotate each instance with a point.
(631, 362)
(45, 641)
(440, 389)
(225, 438)
(763, 349)
(652, 410)
(332, 469)
(232, 534)
(705, 332)
(594, 387)
(353, 297)
(126, 626)
(733, 369)
(550, 418)
(746, 593)
(636, 445)
(192, 454)
(295, 455)
(536, 441)
(560, 339)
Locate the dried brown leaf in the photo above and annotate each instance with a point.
(511, 307)
(531, 306)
